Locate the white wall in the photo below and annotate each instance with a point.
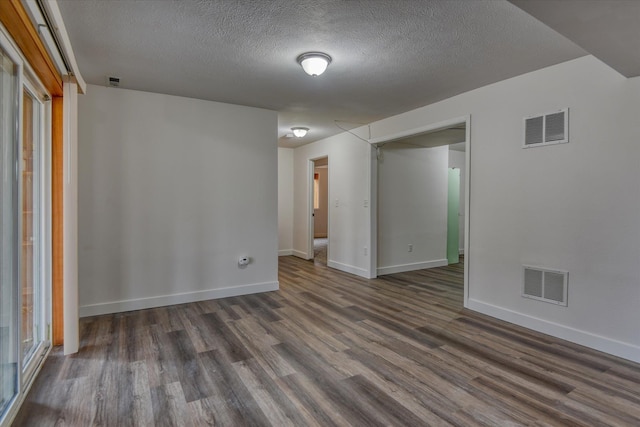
(567, 206)
(457, 160)
(171, 192)
(412, 207)
(573, 206)
(349, 226)
(285, 201)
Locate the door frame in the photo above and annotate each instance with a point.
(373, 190)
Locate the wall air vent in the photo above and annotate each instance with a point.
(546, 129)
(113, 81)
(545, 285)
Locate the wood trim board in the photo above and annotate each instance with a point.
(16, 20)
(57, 220)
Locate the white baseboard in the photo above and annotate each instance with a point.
(597, 342)
(411, 267)
(285, 252)
(348, 269)
(300, 254)
(182, 298)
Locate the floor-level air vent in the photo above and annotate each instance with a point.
(545, 285)
(113, 81)
(546, 129)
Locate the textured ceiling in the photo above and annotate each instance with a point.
(388, 56)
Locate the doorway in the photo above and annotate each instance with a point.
(412, 219)
(319, 232)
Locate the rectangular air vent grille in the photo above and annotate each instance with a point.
(113, 81)
(546, 129)
(545, 285)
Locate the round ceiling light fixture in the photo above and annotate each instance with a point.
(299, 132)
(314, 63)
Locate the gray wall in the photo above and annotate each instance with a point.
(171, 192)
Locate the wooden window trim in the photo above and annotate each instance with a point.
(16, 20)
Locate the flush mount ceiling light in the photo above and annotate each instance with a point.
(314, 63)
(299, 132)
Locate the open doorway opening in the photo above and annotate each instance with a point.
(320, 195)
(421, 194)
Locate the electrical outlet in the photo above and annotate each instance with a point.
(366, 251)
(410, 247)
(366, 203)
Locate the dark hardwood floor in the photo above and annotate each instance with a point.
(329, 349)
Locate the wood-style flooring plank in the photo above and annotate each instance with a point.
(276, 405)
(329, 349)
(169, 406)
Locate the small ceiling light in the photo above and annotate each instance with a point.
(314, 63)
(299, 132)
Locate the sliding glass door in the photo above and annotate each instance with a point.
(23, 246)
(9, 84)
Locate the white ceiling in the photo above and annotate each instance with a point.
(388, 56)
